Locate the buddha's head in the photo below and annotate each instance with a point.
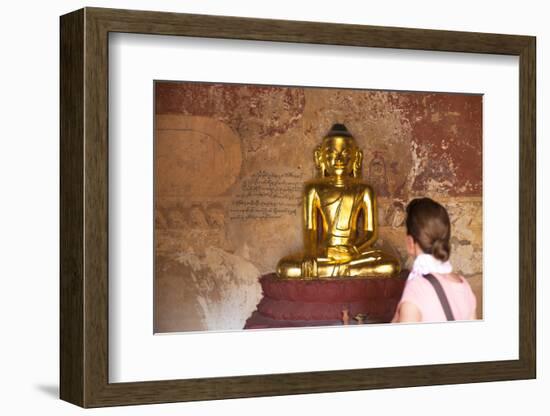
(338, 154)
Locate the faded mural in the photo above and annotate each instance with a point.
(230, 163)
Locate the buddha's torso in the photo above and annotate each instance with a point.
(339, 207)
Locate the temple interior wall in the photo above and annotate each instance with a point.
(230, 163)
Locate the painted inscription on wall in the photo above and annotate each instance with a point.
(268, 195)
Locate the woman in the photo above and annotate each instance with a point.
(428, 235)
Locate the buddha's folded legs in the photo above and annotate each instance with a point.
(371, 264)
(290, 267)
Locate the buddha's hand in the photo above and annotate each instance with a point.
(309, 268)
(343, 254)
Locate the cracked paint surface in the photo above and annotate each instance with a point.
(230, 163)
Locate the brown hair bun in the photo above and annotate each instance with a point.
(441, 250)
(429, 225)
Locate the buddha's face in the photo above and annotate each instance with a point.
(338, 155)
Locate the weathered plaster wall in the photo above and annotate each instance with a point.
(230, 164)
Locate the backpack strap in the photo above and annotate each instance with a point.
(441, 295)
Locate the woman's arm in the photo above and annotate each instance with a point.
(407, 312)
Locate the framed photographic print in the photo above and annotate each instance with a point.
(235, 195)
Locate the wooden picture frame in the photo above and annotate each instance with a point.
(84, 207)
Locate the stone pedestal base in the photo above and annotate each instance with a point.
(298, 303)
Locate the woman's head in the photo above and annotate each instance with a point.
(428, 226)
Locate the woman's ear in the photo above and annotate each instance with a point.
(411, 249)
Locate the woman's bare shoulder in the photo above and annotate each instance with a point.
(454, 277)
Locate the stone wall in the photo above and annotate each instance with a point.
(230, 161)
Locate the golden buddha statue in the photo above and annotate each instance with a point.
(340, 219)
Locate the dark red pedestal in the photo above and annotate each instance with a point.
(298, 303)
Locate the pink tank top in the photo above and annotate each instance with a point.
(420, 292)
